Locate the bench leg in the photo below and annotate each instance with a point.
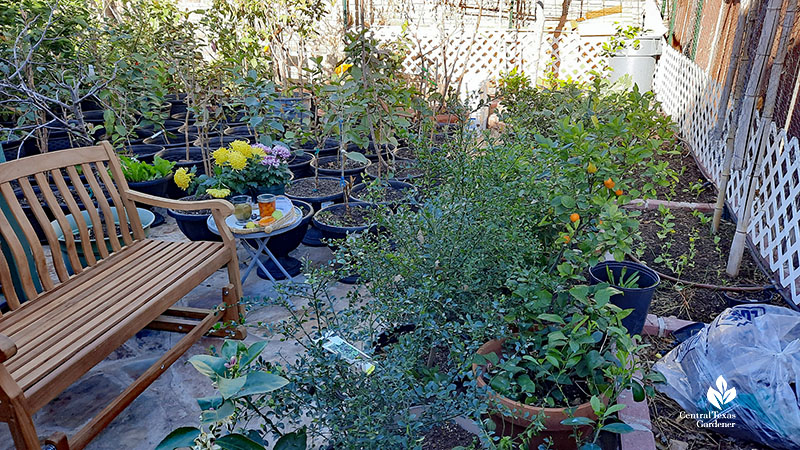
(233, 311)
(22, 428)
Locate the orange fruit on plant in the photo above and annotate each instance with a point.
(618, 192)
(609, 183)
(574, 217)
(566, 239)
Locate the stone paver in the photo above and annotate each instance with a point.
(169, 402)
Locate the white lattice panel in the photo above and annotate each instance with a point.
(494, 51)
(691, 98)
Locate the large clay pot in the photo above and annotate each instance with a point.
(515, 416)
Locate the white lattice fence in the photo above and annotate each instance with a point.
(691, 98)
(486, 54)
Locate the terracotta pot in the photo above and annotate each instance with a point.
(515, 418)
(447, 118)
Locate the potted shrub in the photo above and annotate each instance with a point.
(633, 52)
(336, 221)
(151, 179)
(560, 376)
(636, 284)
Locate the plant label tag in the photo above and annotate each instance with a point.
(348, 352)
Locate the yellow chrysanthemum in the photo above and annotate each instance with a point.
(258, 152)
(342, 69)
(183, 178)
(237, 160)
(220, 156)
(218, 193)
(242, 147)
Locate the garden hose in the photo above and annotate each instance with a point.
(714, 287)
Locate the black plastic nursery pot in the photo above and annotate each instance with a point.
(222, 141)
(193, 226)
(142, 152)
(300, 165)
(313, 234)
(356, 172)
(359, 193)
(153, 187)
(637, 299)
(333, 232)
(330, 147)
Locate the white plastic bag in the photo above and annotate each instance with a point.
(740, 375)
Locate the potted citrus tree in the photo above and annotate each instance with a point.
(560, 376)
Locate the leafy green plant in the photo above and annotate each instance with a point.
(622, 39)
(579, 353)
(630, 282)
(243, 381)
(137, 171)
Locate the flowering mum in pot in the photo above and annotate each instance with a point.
(560, 376)
(240, 168)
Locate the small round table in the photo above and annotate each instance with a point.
(261, 249)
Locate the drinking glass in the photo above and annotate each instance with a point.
(242, 209)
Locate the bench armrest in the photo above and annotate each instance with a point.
(223, 206)
(7, 348)
(220, 209)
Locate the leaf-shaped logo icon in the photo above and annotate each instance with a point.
(722, 395)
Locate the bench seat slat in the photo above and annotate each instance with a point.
(72, 312)
(54, 359)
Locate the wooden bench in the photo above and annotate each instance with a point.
(79, 313)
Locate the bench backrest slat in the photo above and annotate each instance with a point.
(81, 190)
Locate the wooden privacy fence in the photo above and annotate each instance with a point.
(692, 98)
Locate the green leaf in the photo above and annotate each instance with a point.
(229, 387)
(357, 157)
(275, 125)
(597, 405)
(590, 446)
(210, 402)
(614, 408)
(638, 391)
(292, 441)
(617, 427)
(215, 415)
(551, 318)
(577, 421)
(238, 442)
(210, 366)
(261, 383)
(252, 353)
(180, 438)
(526, 383)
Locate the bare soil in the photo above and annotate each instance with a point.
(354, 216)
(446, 436)
(307, 188)
(690, 252)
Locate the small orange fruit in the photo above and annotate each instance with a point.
(566, 239)
(618, 192)
(574, 217)
(266, 221)
(599, 222)
(609, 183)
(591, 168)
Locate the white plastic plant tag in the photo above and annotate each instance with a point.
(348, 352)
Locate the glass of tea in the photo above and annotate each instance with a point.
(242, 209)
(266, 205)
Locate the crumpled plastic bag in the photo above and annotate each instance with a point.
(740, 375)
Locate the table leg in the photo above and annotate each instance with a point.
(254, 259)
